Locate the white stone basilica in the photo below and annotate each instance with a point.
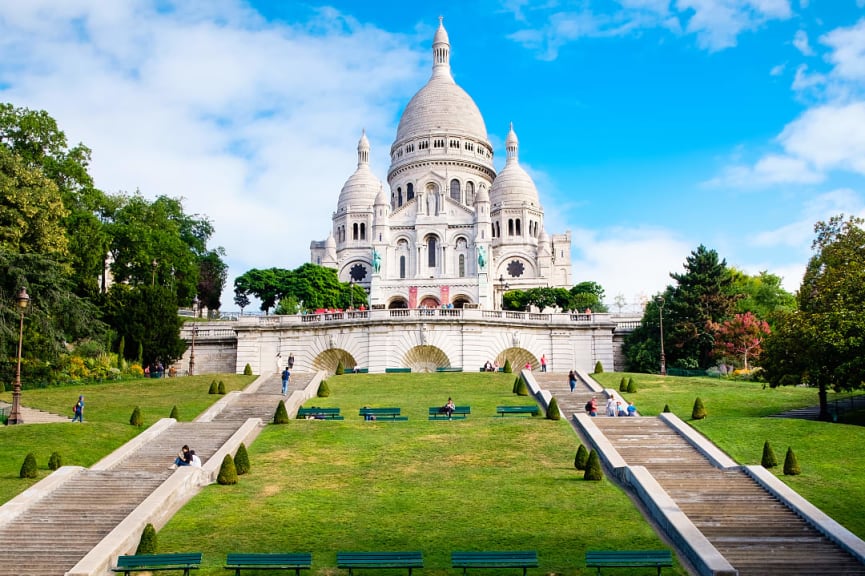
(451, 230)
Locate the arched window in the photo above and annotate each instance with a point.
(354, 231)
(518, 228)
(409, 191)
(498, 230)
(455, 189)
(402, 266)
(431, 256)
(510, 226)
(462, 265)
(399, 197)
(363, 231)
(470, 193)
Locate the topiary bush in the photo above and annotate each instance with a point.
(581, 458)
(136, 419)
(553, 410)
(241, 460)
(174, 413)
(699, 411)
(214, 387)
(55, 461)
(516, 384)
(623, 385)
(228, 471)
(28, 468)
(522, 389)
(323, 389)
(768, 460)
(220, 388)
(666, 408)
(247, 370)
(791, 464)
(147, 544)
(340, 369)
(281, 415)
(599, 368)
(631, 388)
(508, 369)
(593, 467)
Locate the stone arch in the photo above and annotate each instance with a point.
(460, 300)
(329, 359)
(425, 358)
(397, 302)
(518, 357)
(429, 302)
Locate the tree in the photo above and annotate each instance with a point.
(741, 336)
(822, 344)
(761, 295)
(146, 316)
(212, 275)
(242, 301)
(588, 295)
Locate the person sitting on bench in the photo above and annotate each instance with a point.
(448, 408)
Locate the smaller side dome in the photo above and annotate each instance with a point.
(513, 186)
(330, 242)
(361, 187)
(483, 195)
(381, 197)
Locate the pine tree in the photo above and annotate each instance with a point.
(769, 460)
(55, 461)
(28, 468)
(791, 464)
(323, 389)
(581, 458)
(699, 411)
(281, 415)
(593, 467)
(147, 543)
(241, 460)
(136, 419)
(227, 472)
(553, 410)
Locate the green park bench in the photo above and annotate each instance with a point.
(293, 561)
(629, 559)
(357, 370)
(512, 559)
(516, 410)
(449, 369)
(397, 370)
(320, 413)
(459, 413)
(185, 561)
(355, 560)
(381, 414)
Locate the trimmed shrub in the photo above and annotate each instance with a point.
(220, 388)
(516, 384)
(28, 468)
(247, 370)
(281, 415)
(174, 413)
(667, 408)
(228, 471)
(768, 460)
(147, 544)
(55, 461)
(699, 411)
(340, 369)
(323, 389)
(599, 368)
(522, 389)
(593, 467)
(623, 385)
(214, 387)
(508, 369)
(553, 410)
(136, 419)
(581, 458)
(241, 460)
(791, 464)
(631, 388)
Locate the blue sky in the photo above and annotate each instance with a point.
(649, 126)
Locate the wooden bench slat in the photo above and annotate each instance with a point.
(327, 413)
(392, 413)
(488, 559)
(352, 560)
(629, 559)
(296, 561)
(516, 410)
(459, 413)
(184, 561)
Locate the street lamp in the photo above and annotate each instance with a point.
(660, 301)
(351, 293)
(15, 417)
(504, 287)
(154, 264)
(194, 332)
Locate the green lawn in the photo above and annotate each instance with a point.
(107, 409)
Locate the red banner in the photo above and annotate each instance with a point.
(446, 295)
(412, 296)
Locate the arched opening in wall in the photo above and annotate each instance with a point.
(397, 302)
(432, 247)
(455, 189)
(425, 358)
(354, 231)
(429, 302)
(462, 265)
(398, 197)
(363, 231)
(329, 359)
(402, 266)
(510, 226)
(518, 357)
(409, 191)
(470, 193)
(460, 301)
(519, 233)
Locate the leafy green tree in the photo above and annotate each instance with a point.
(822, 344)
(146, 316)
(212, 275)
(242, 301)
(266, 285)
(762, 295)
(588, 295)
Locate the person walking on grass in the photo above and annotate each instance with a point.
(78, 410)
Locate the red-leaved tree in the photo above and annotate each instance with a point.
(741, 336)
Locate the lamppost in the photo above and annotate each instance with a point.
(15, 417)
(504, 288)
(660, 301)
(194, 332)
(154, 264)
(351, 292)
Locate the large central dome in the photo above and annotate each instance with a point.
(441, 105)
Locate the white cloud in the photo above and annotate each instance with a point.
(718, 23)
(778, 69)
(800, 41)
(799, 233)
(805, 81)
(848, 55)
(828, 137)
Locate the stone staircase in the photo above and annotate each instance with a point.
(262, 404)
(33, 416)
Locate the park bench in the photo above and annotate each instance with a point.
(449, 369)
(294, 561)
(629, 559)
(396, 370)
(459, 413)
(355, 560)
(511, 559)
(321, 413)
(185, 561)
(357, 370)
(382, 413)
(516, 410)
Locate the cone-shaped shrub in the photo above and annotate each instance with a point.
(220, 388)
(516, 384)
(147, 544)
(667, 408)
(522, 389)
(623, 385)
(214, 387)
(553, 410)
(174, 413)
(281, 415)
(241, 460)
(599, 368)
(631, 387)
(791, 464)
(323, 389)
(340, 369)
(508, 369)
(247, 370)
(581, 458)
(227, 472)
(28, 468)
(136, 419)
(699, 411)
(769, 460)
(593, 467)
(55, 461)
